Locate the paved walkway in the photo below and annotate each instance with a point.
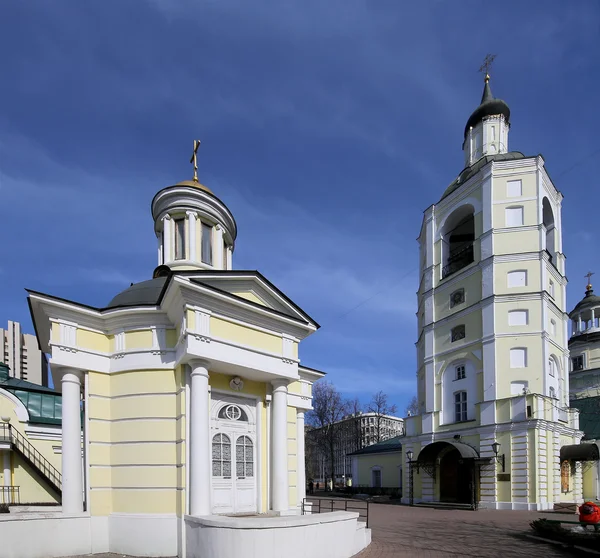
(402, 531)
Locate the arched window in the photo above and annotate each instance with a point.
(244, 458)
(548, 222)
(233, 412)
(221, 456)
(458, 237)
(552, 392)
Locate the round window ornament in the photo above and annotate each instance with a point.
(233, 412)
(236, 384)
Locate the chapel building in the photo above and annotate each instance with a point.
(191, 386)
(492, 348)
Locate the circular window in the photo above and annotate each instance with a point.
(233, 412)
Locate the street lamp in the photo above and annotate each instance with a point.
(499, 458)
(409, 459)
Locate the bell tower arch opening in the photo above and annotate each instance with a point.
(549, 228)
(458, 236)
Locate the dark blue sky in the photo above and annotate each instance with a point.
(327, 128)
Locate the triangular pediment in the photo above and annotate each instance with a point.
(252, 287)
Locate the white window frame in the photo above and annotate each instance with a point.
(179, 238)
(511, 188)
(551, 288)
(514, 314)
(582, 356)
(460, 406)
(376, 469)
(513, 274)
(552, 327)
(514, 216)
(460, 372)
(523, 351)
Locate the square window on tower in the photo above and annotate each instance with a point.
(457, 297)
(458, 333)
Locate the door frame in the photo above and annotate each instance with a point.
(259, 441)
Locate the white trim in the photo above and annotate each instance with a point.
(20, 409)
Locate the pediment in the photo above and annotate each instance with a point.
(254, 288)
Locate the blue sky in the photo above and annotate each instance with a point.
(326, 127)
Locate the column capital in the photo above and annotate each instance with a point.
(66, 375)
(199, 366)
(300, 413)
(280, 384)
(190, 213)
(166, 217)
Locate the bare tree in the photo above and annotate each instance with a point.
(380, 407)
(354, 425)
(329, 408)
(412, 408)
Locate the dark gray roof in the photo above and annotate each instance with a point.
(590, 300)
(489, 106)
(393, 444)
(468, 172)
(146, 293)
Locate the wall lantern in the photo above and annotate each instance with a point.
(409, 456)
(499, 458)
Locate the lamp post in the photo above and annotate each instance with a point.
(499, 458)
(409, 460)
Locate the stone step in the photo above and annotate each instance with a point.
(35, 509)
(444, 505)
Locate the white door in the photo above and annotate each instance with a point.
(233, 458)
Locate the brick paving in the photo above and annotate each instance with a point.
(402, 531)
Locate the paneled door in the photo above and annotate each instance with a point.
(233, 459)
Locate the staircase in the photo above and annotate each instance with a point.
(25, 449)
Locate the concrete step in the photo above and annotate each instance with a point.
(444, 505)
(35, 509)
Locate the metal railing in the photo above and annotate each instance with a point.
(458, 260)
(326, 505)
(10, 495)
(28, 452)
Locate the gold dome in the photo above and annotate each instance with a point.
(195, 184)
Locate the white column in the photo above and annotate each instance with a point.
(72, 466)
(166, 249)
(279, 447)
(301, 469)
(200, 457)
(160, 250)
(218, 247)
(192, 255)
(229, 258)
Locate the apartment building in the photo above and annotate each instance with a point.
(21, 353)
(352, 434)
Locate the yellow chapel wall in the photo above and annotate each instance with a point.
(32, 487)
(390, 464)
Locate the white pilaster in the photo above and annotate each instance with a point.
(160, 250)
(6, 466)
(280, 451)
(191, 217)
(301, 467)
(72, 465)
(218, 247)
(199, 441)
(167, 250)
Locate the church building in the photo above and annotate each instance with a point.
(193, 399)
(492, 351)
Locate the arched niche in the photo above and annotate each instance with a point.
(550, 228)
(458, 377)
(458, 235)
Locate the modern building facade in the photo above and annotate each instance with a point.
(492, 351)
(353, 433)
(194, 400)
(21, 353)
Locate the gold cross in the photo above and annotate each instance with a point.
(487, 64)
(589, 276)
(194, 159)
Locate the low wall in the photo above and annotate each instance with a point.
(42, 536)
(324, 535)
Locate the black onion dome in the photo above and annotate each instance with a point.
(144, 293)
(489, 107)
(590, 300)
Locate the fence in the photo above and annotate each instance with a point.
(10, 495)
(325, 505)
